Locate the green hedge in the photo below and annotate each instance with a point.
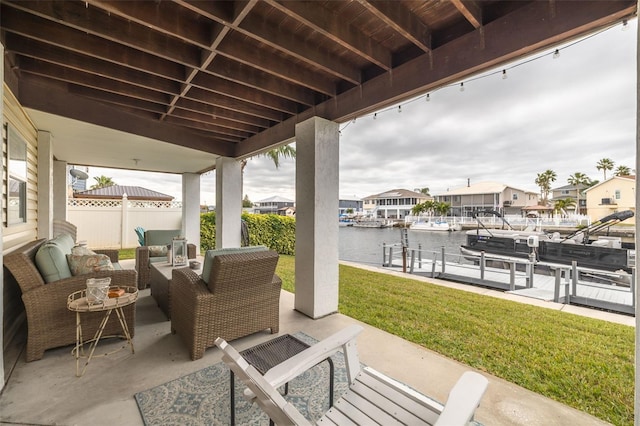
(271, 230)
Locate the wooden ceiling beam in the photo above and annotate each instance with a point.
(99, 23)
(133, 104)
(221, 122)
(69, 75)
(315, 16)
(49, 32)
(275, 37)
(402, 21)
(223, 101)
(90, 65)
(238, 91)
(253, 78)
(471, 10)
(61, 102)
(210, 124)
(222, 113)
(235, 49)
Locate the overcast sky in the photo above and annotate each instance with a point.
(562, 114)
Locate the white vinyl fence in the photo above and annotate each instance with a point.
(112, 223)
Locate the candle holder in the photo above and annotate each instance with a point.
(179, 251)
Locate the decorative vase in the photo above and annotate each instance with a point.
(97, 290)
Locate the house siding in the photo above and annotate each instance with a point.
(597, 209)
(13, 315)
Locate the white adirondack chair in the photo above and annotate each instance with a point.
(372, 397)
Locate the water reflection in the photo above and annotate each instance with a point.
(364, 245)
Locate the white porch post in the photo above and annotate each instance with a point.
(60, 190)
(317, 155)
(191, 208)
(228, 202)
(3, 133)
(45, 184)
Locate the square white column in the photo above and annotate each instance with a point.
(228, 202)
(317, 156)
(45, 185)
(191, 208)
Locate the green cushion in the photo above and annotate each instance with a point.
(210, 254)
(51, 258)
(160, 237)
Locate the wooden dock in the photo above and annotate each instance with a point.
(570, 284)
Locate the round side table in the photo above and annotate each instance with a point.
(78, 303)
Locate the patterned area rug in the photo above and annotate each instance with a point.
(202, 398)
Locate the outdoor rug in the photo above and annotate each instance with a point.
(202, 398)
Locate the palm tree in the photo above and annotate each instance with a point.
(604, 165)
(561, 206)
(622, 171)
(102, 182)
(284, 151)
(426, 207)
(578, 179)
(543, 180)
(441, 208)
(424, 190)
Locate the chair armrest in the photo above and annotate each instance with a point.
(187, 284)
(112, 253)
(298, 364)
(463, 399)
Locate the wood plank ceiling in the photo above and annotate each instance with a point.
(233, 77)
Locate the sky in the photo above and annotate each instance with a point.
(562, 114)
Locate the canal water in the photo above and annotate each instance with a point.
(364, 245)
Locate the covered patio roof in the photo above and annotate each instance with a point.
(170, 86)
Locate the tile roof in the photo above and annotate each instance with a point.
(117, 191)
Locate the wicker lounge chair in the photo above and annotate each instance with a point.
(144, 257)
(50, 323)
(242, 297)
(372, 397)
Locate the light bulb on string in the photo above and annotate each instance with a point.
(625, 25)
(462, 87)
(354, 120)
(375, 116)
(556, 54)
(399, 109)
(428, 99)
(504, 74)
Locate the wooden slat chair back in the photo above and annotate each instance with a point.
(372, 397)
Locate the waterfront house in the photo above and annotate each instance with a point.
(177, 87)
(271, 205)
(572, 192)
(496, 196)
(287, 211)
(394, 204)
(350, 206)
(618, 193)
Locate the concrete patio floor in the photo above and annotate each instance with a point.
(47, 392)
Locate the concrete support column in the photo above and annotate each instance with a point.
(191, 208)
(228, 202)
(317, 155)
(60, 190)
(4, 135)
(637, 241)
(45, 185)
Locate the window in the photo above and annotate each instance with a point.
(564, 192)
(617, 194)
(17, 178)
(515, 196)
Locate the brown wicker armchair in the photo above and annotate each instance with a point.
(50, 323)
(144, 259)
(241, 298)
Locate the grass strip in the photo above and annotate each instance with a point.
(582, 362)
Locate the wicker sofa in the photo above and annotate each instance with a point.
(242, 297)
(50, 323)
(144, 256)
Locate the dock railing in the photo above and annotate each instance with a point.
(568, 284)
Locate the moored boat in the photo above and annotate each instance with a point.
(429, 225)
(603, 253)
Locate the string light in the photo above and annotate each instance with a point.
(503, 72)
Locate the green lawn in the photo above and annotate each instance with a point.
(582, 362)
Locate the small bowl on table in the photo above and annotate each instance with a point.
(194, 264)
